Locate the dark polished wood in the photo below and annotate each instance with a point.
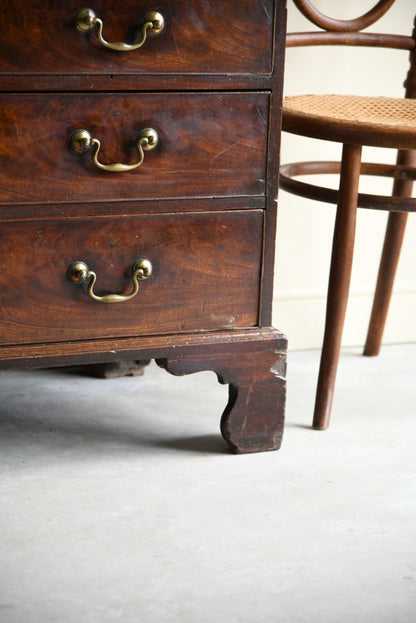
(199, 37)
(384, 288)
(197, 282)
(380, 122)
(351, 25)
(339, 283)
(396, 227)
(390, 203)
(255, 372)
(210, 144)
(201, 207)
(366, 39)
(127, 348)
(252, 363)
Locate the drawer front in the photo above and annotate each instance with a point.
(206, 272)
(209, 144)
(203, 36)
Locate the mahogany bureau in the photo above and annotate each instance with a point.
(139, 156)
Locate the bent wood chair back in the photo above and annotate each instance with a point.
(354, 121)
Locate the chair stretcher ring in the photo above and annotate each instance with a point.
(330, 195)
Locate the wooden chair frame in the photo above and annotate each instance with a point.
(347, 198)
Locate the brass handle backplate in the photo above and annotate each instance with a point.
(152, 23)
(81, 141)
(78, 272)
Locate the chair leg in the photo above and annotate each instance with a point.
(339, 283)
(389, 260)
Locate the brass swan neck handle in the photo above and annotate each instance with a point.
(78, 272)
(152, 23)
(82, 141)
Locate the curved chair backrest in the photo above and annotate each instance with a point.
(348, 32)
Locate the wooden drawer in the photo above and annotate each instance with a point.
(211, 144)
(206, 273)
(219, 36)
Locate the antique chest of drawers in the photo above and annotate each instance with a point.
(139, 156)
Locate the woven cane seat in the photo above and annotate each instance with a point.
(379, 121)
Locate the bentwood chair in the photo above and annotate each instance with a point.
(354, 121)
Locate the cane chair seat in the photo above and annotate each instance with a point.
(361, 120)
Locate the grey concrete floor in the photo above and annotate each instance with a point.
(120, 502)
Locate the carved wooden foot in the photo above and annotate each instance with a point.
(255, 371)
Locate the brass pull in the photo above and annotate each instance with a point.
(81, 141)
(86, 20)
(78, 272)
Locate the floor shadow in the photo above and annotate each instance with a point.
(205, 444)
(86, 436)
(70, 421)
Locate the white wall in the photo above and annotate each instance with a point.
(304, 233)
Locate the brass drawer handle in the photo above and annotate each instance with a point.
(81, 141)
(86, 20)
(78, 272)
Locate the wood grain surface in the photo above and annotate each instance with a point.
(206, 271)
(211, 144)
